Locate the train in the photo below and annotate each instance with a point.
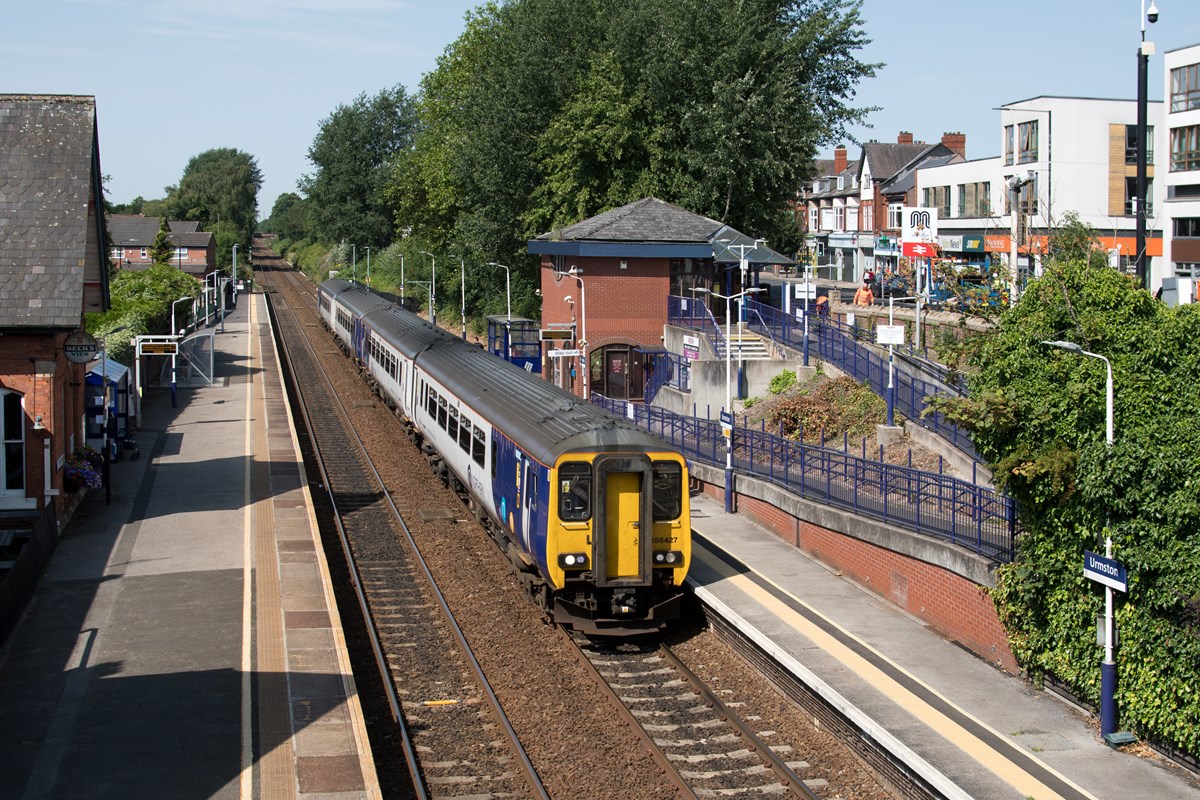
(592, 511)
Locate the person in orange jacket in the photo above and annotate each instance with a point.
(864, 296)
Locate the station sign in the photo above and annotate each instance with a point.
(557, 334)
(889, 334)
(160, 348)
(1107, 571)
(918, 224)
(563, 353)
(691, 348)
(806, 291)
(80, 347)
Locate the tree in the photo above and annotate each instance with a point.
(162, 251)
(352, 149)
(289, 217)
(1038, 415)
(219, 186)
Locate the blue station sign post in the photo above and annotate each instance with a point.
(1107, 571)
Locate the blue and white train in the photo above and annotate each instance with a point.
(592, 511)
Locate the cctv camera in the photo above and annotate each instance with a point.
(1152, 12)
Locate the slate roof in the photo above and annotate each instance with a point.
(135, 230)
(906, 178)
(654, 221)
(49, 173)
(888, 158)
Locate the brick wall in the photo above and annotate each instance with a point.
(955, 607)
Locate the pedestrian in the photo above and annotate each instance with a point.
(823, 306)
(864, 296)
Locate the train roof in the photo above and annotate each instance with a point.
(360, 300)
(335, 286)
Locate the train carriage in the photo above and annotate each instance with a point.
(592, 510)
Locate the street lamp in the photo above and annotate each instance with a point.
(402, 279)
(571, 302)
(175, 331)
(1108, 667)
(728, 387)
(462, 288)
(1143, 59)
(432, 286)
(368, 268)
(354, 263)
(1015, 184)
(507, 285)
(743, 266)
(585, 358)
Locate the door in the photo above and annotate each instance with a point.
(622, 524)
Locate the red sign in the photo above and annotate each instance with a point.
(919, 250)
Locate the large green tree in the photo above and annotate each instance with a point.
(219, 189)
(289, 217)
(548, 111)
(352, 150)
(1038, 414)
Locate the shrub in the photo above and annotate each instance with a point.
(782, 382)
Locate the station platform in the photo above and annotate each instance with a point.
(968, 729)
(184, 641)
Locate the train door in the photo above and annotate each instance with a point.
(623, 554)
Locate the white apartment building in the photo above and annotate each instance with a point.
(1181, 170)
(1071, 154)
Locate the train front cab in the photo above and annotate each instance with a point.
(614, 579)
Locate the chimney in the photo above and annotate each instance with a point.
(839, 159)
(905, 137)
(956, 142)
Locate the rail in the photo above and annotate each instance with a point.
(933, 504)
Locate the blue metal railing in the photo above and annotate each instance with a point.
(837, 344)
(669, 370)
(929, 503)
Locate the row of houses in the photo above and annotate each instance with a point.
(1067, 154)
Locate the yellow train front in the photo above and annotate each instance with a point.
(618, 540)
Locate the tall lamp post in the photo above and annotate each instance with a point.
(728, 387)
(429, 286)
(507, 284)
(1143, 59)
(432, 287)
(462, 288)
(368, 268)
(1015, 184)
(585, 357)
(1108, 667)
(743, 267)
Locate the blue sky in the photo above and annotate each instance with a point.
(173, 78)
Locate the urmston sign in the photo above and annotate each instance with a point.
(1104, 570)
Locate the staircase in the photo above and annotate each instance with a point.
(752, 347)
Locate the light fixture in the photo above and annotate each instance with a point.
(37, 423)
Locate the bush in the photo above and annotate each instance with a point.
(782, 382)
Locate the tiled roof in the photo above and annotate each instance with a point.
(888, 158)
(906, 178)
(46, 184)
(647, 220)
(135, 230)
(183, 226)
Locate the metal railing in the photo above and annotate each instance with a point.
(934, 504)
(837, 344)
(669, 370)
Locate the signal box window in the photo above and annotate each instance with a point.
(574, 492)
(668, 491)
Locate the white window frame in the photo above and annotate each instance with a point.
(181, 254)
(895, 216)
(7, 440)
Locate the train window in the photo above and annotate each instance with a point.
(479, 446)
(441, 413)
(575, 491)
(464, 435)
(452, 425)
(668, 490)
(432, 403)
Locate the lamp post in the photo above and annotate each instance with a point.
(354, 263)
(462, 289)
(507, 285)
(402, 279)
(743, 266)
(585, 357)
(1108, 667)
(1015, 184)
(1143, 59)
(368, 268)
(571, 302)
(432, 286)
(728, 388)
(427, 285)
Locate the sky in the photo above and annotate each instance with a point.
(174, 78)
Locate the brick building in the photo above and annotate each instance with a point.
(130, 237)
(53, 270)
(610, 278)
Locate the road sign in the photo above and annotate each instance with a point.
(889, 334)
(1108, 571)
(563, 353)
(79, 347)
(918, 250)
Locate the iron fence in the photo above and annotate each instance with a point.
(929, 503)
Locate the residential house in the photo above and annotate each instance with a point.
(132, 235)
(830, 209)
(53, 270)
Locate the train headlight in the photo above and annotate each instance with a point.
(573, 560)
(668, 558)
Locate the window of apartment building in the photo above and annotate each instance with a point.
(1187, 227)
(1185, 148)
(851, 218)
(181, 253)
(895, 216)
(1131, 196)
(812, 219)
(868, 218)
(975, 199)
(118, 253)
(839, 218)
(1027, 142)
(827, 219)
(1008, 145)
(1131, 144)
(1185, 88)
(841, 183)
(143, 254)
(938, 197)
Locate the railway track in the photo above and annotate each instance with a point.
(575, 720)
(456, 738)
